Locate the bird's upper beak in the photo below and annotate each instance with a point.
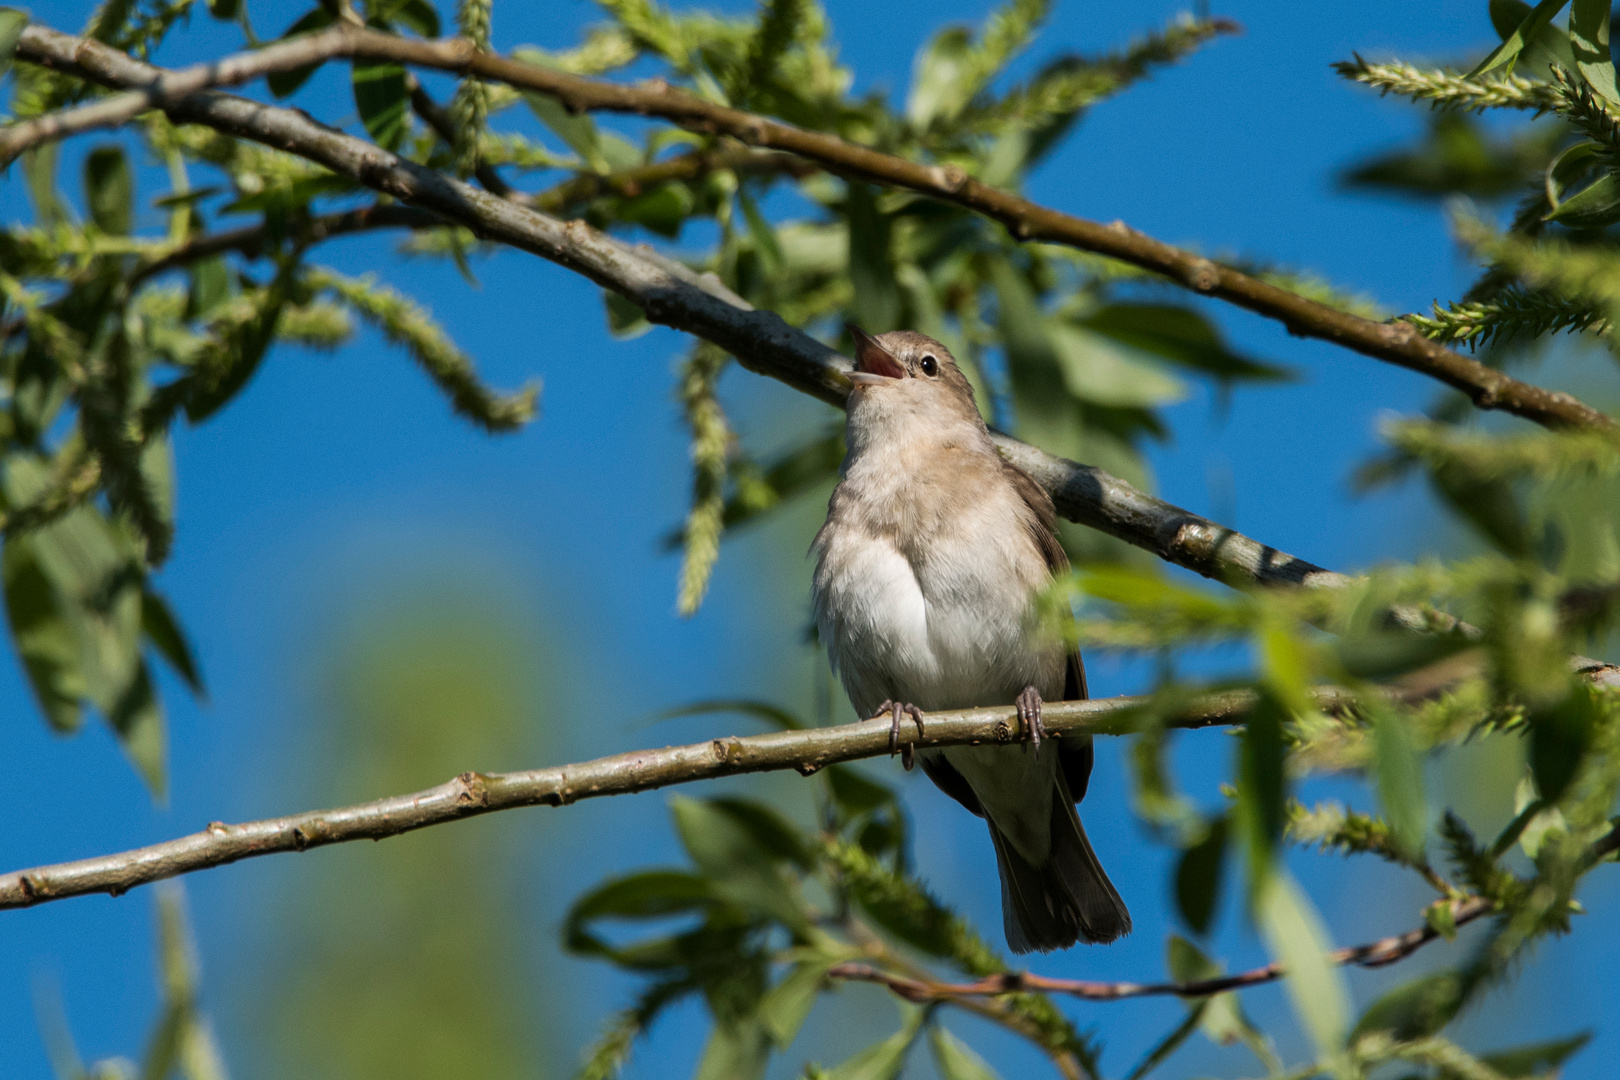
(874, 364)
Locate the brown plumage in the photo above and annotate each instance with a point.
(933, 551)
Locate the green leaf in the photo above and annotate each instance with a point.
(1593, 207)
(163, 631)
(12, 24)
(1294, 933)
(1589, 39)
(738, 1051)
(1187, 962)
(1560, 736)
(1536, 1059)
(763, 235)
(225, 10)
(955, 1059)
(137, 720)
(1096, 369)
(39, 169)
(1262, 785)
(857, 793)
(768, 829)
(383, 101)
(285, 83)
(1508, 52)
(1400, 778)
(1414, 1010)
(625, 319)
(577, 131)
(884, 1060)
(876, 305)
(664, 209)
(650, 894)
(1220, 1016)
(46, 643)
(1198, 878)
(938, 80)
(417, 15)
(210, 286)
(738, 854)
(1179, 335)
(788, 1004)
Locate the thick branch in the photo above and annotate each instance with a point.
(472, 794)
(1397, 343)
(1374, 954)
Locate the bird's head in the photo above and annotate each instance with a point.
(903, 377)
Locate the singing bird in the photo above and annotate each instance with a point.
(926, 571)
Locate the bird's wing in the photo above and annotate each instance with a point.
(1075, 755)
(1042, 524)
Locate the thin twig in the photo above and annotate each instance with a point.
(1397, 342)
(472, 794)
(1374, 954)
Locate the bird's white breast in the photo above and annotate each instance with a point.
(942, 621)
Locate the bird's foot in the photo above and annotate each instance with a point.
(897, 712)
(1029, 715)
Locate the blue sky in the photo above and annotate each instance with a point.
(338, 481)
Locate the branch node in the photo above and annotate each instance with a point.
(217, 828)
(950, 177)
(300, 838)
(473, 789)
(1202, 275)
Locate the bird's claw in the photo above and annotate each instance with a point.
(897, 712)
(1029, 715)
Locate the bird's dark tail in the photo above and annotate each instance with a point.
(1066, 900)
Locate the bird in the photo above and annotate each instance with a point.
(926, 572)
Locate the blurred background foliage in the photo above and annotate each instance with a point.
(396, 959)
(400, 962)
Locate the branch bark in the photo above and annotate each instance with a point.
(1398, 343)
(1373, 954)
(473, 794)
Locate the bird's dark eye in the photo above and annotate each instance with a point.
(929, 365)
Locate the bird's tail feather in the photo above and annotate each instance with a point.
(1068, 899)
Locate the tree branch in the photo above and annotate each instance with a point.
(1398, 343)
(1373, 954)
(473, 794)
(671, 294)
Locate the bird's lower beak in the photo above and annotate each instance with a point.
(874, 364)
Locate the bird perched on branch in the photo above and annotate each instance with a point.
(926, 571)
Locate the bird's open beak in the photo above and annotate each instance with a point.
(874, 364)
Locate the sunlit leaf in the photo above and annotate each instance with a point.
(783, 1011)
(1514, 44)
(1294, 933)
(1589, 39)
(884, 1060)
(955, 1059)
